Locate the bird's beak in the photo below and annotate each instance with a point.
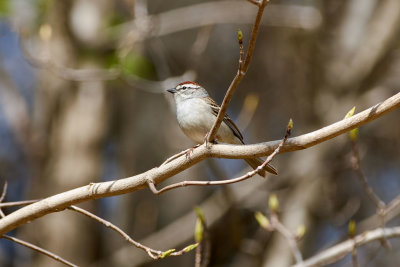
(172, 90)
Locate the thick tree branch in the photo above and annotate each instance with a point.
(99, 190)
(228, 181)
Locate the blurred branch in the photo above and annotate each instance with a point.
(3, 195)
(391, 211)
(355, 160)
(112, 188)
(289, 236)
(16, 111)
(380, 204)
(39, 249)
(381, 32)
(202, 237)
(211, 13)
(84, 75)
(247, 111)
(27, 244)
(70, 74)
(274, 224)
(340, 250)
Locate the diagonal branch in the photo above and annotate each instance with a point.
(340, 250)
(240, 73)
(112, 188)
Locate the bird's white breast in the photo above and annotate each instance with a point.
(195, 117)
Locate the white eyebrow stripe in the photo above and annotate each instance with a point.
(187, 85)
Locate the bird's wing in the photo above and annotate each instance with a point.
(215, 108)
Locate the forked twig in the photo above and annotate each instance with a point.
(155, 254)
(248, 175)
(242, 69)
(379, 203)
(178, 155)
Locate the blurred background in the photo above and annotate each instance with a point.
(82, 99)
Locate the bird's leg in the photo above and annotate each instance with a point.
(212, 142)
(190, 150)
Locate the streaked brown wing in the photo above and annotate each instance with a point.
(215, 108)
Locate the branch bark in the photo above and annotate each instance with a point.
(112, 188)
(337, 252)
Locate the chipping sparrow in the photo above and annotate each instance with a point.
(196, 112)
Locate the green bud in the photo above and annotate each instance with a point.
(301, 231)
(353, 134)
(352, 228)
(191, 247)
(167, 253)
(262, 220)
(289, 126)
(240, 36)
(273, 203)
(198, 231)
(199, 213)
(350, 113)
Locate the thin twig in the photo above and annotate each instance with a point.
(380, 204)
(290, 237)
(18, 203)
(155, 254)
(178, 155)
(246, 176)
(355, 160)
(203, 250)
(39, 249)
(242, 69)
(354, 255)
(3, 194)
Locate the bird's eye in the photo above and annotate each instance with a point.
(184, 87)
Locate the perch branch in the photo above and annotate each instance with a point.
(229, 181)
(121, 186)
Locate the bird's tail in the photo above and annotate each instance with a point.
(255, 162)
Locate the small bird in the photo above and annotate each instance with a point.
(196, 113)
